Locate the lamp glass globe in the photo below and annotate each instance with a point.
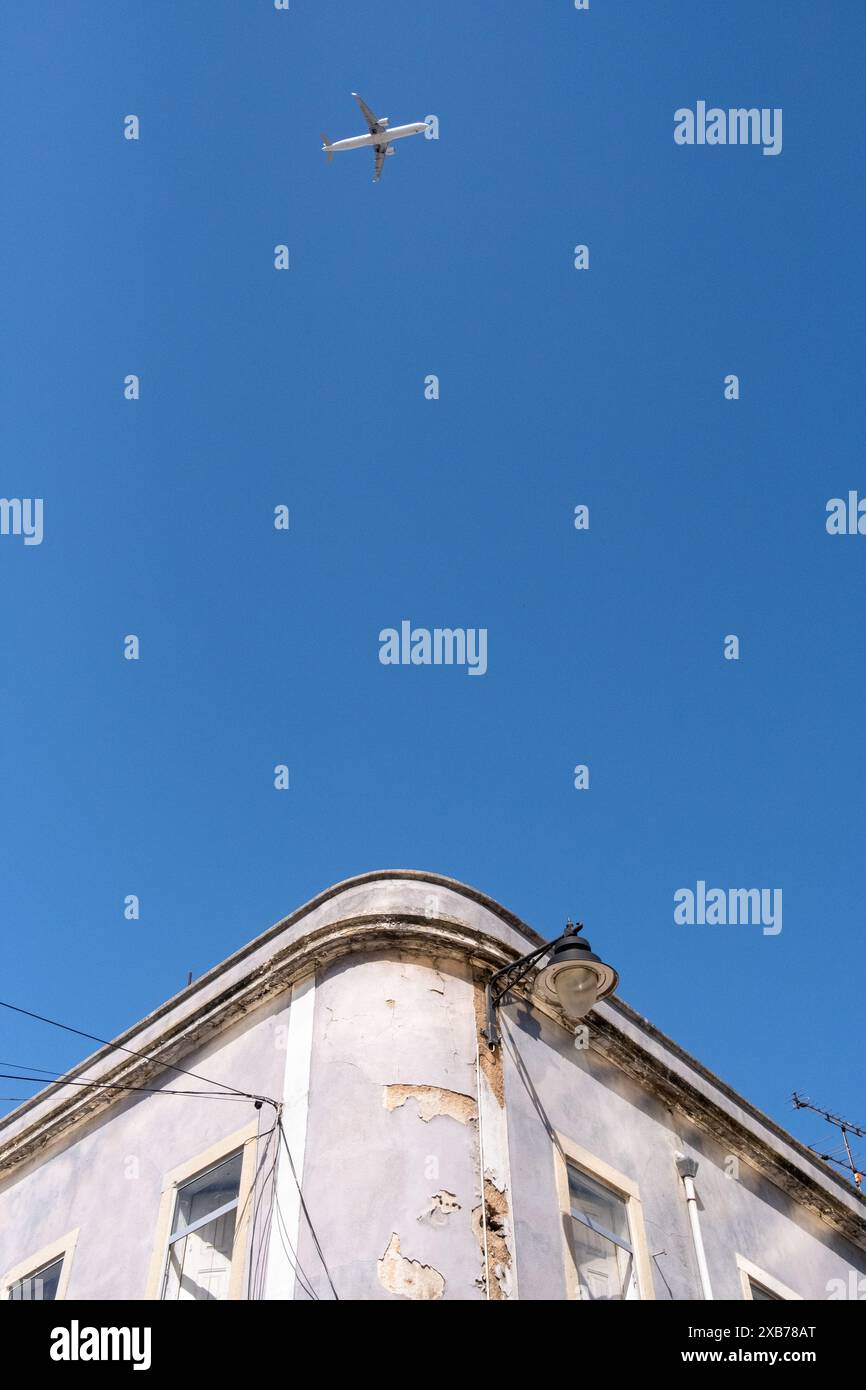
(577, 989)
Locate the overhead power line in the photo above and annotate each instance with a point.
(115, 1086)
(51, 1078)
(305, 1211)
(147, 1057)
(29, 1066)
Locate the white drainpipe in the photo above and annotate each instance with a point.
(687, 1167)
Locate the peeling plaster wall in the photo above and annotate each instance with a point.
(389, 1130)
(391, 1175)
(84, 1183)
(551, 1085)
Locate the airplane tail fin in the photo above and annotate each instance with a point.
(326, 146)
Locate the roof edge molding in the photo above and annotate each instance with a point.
(385, 894)
(409, 911)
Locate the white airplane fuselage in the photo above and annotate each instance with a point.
(355, 142)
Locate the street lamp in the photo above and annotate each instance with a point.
(574, 977)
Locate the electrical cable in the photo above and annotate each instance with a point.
(30, 1066)
(260, 1274)
(304, 1208)
(294, 1261)
(106, 1042)
(257, 1274)
(256, 1191)
(223, 1092)
(119, 1086)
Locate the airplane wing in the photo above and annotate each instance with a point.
(379, 151)
(368, 115)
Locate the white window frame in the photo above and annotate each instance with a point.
(566, 1152)
(751, 1274)
(178, 1177)
(61, 1249)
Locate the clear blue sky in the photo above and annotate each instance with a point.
(558, 387)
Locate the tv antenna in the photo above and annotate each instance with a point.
(846, 1128)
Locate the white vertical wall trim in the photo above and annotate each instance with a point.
(280, 1281)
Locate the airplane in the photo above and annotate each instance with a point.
(380, 137)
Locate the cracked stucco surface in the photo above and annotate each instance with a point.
(393, 1102)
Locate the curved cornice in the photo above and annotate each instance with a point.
(380, 907)
(409, 911)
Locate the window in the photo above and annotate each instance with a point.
(203, 1226)
(760, 1286)
(761, 1294)
(600, 1239)
(201, 1241)
(41, 1286)
(605, 1252)
(44, 1275)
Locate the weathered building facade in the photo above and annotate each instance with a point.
(340, 1056)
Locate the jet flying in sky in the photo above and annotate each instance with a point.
(379, 137)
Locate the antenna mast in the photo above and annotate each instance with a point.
(803, 1103)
